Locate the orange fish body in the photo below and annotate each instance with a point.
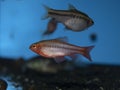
(57, 49)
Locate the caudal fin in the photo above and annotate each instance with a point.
(86, 52)
(47, 11)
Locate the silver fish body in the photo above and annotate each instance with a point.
(76, 24)
(53, 49)
(57, 48)
(72, 19)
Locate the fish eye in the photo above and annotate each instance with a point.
(33, 46)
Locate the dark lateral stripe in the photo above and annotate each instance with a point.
(59, 14)
(69, 15)
(60, 46)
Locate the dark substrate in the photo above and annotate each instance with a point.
(93, 77)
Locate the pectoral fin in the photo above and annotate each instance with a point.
(68, 28)
(64, 39)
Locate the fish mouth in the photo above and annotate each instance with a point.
(32, 47)
(92, 22)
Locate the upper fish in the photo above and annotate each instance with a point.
(59, 48)
(73, 19)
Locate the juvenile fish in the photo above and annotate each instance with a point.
(73, 19)
(51, 27)
(58, 49)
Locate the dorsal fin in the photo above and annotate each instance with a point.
(63, 39)
(71, 7)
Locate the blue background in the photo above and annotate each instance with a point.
(21, 25)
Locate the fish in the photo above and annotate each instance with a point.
(42, 65)
(51, 27)
(46, 65)
(59, 48)
(72, 19)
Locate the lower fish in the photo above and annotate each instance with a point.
(59, 48)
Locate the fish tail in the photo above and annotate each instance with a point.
(47, 9)
(86, 52)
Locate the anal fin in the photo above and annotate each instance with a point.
(73, 56)
(59, 59)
